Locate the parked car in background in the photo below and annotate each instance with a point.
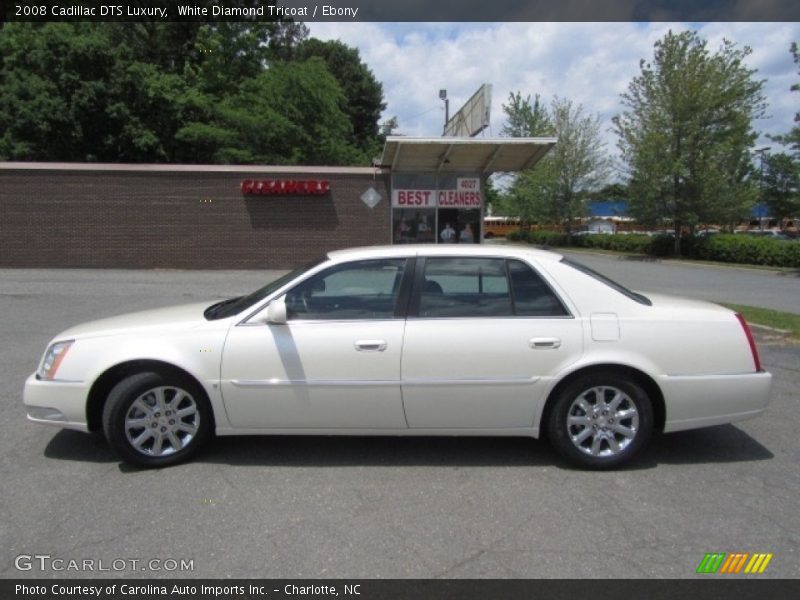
(408, 340)
(765, 233)
(707, 232)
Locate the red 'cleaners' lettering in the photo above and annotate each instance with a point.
(285, 187)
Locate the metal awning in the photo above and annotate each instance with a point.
(484, 155)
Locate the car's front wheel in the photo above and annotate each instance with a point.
(601, 421)
(155, 420)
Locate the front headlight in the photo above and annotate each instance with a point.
(52, 359)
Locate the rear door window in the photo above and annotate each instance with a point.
(465, 287)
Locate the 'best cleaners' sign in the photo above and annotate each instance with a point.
(466, 195)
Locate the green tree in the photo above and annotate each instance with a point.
(579, 159)
(531, 196)
(363, 93)
(781, 186)
(225, 54)
(524, 119)
(555, 189)
(170, 92)
(51, 90)
(612, 191)
(792, 138)
(290, 114)
(526, 194)
(686, 133)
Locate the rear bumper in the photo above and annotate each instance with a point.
(701, 401)
(58, 403)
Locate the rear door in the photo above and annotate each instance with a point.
(482, 338)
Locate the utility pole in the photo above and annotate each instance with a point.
(761, 152)
(443, 96)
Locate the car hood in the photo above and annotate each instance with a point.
(170, 318)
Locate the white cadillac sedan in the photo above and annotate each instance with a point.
(408, 340)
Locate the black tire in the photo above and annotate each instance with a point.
(594, 439)
(178, 421)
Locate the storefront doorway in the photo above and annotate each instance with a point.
(436, 209)
(465, 224)
(437, 184)
(413, 226)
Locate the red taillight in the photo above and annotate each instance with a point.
(750, 341)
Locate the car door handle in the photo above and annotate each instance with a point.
(370, 345)
(544, 343)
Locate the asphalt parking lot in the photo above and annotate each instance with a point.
(376, 507)
(778, 290)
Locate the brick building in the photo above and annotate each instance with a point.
(242, 217)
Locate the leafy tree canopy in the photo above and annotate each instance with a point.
(554, 190)
(793, 137)
(524, 119)
(363, 94)
(686, 133)
(612, 191)
(184, 92)
(780, 187)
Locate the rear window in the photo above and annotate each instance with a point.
(635, 296)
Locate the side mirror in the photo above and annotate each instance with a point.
(276, 311)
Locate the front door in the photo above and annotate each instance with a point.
(334, 364)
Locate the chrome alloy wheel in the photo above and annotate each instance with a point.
(162, 421)
(602, 421)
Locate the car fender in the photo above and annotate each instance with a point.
(196, 352)
(612, 356)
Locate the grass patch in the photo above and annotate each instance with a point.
(771, 318)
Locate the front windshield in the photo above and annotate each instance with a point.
(233, 306)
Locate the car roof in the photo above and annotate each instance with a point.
(486, 250)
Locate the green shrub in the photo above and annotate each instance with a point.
(746, 249)
(638, 243)
(741, 249)
(664, 245)
(547, 238)
(516, 236)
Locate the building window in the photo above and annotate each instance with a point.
(436, 209)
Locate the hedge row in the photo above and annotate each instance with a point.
(749, 250)
(741, 249)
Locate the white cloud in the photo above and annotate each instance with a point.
(590, 63)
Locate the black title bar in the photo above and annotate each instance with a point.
(401, 10)
(706, 588)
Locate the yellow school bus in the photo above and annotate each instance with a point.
(499, 226)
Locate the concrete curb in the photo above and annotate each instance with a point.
(768, 328)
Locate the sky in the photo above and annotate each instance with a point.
(588, 63)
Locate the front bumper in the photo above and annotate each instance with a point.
(58, 403)
(701, 401)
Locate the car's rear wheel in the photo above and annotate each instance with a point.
(155, 420)
(601, 421)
